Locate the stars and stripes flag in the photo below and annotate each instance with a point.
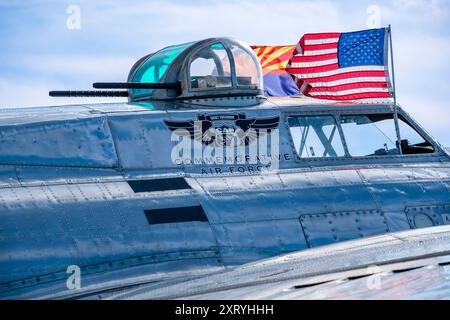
(342, 66)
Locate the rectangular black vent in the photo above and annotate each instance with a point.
(158, 185)
(174, 215)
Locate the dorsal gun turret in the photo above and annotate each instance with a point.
(215, 71)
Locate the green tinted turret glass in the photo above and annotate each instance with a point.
(156, 66)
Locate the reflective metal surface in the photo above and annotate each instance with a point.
(65, 199)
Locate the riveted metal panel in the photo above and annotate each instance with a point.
(397, 220)
(20, 116)
(446, 218)
(395, 188)
(243, 242)
(281, 181)
(394, 196)
(289, 273)
(325, 228)
(143, 141)
(131, 141)
(428, 216)
(443, 172)
(8, 177)
(283, 196)
(79, 142)
(398, 174)
(89, 224)
(36, 176)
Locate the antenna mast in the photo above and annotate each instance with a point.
(397, 127)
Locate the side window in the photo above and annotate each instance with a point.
(316, 136)
(370, 135)
(412, 141)
(374, 135)
(210, 68)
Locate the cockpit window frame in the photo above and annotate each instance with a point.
(313, 114)
(142, 61)
(234, 81)
(193, 57)
(348, 158)
(366, 114)
(408, 121)
(236, 84)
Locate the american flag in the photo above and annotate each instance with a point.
(342, 66)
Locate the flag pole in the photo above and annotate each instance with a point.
(397, 127)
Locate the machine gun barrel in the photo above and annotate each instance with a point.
(88, 93)
(135, 85)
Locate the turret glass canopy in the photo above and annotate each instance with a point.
(207, 69)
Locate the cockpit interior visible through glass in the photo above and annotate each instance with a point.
(375, 135)
(316, 136)
(366, 135)
(210, 68)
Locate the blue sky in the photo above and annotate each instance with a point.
(40, 53)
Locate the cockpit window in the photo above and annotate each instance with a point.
(210, 68)
(370, 135)
(374, 135)
(316, 136)
(412, 141)
(247, 73)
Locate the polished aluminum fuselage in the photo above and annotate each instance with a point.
(66, 199)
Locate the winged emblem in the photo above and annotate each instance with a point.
(219, 129)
